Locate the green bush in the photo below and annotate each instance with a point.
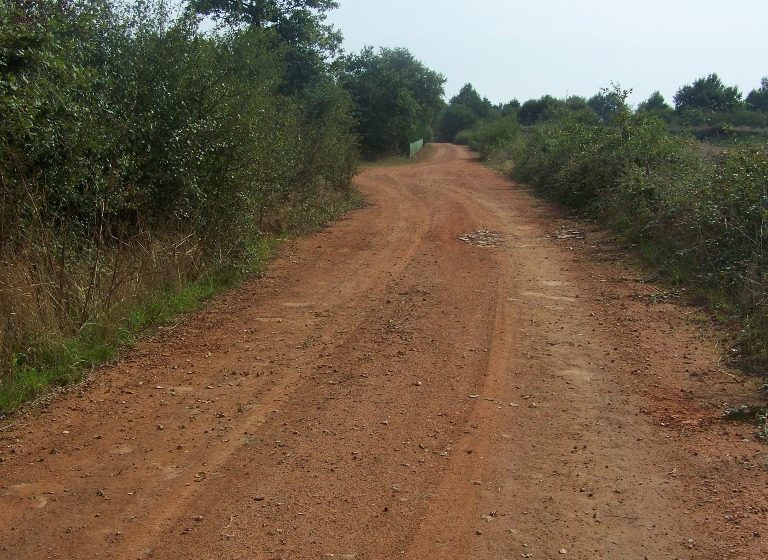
(140, 151)
(491, 137)
(702, 219)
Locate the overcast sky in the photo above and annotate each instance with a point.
(525, 49)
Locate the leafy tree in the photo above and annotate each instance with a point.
(758, 98)
(469, 97)
(708, 94)
(491, 136)
(510, 107)
(656, 105)
(397, 98)
(263, 13)
(576, 103)
(538, 110)
(609, 103)
(455, 118)
(578, 110)
(464, 110)
(300, 24)
(655, 102)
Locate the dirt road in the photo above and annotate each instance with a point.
(391, 390)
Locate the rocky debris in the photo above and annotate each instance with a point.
(483, 238)
(570, 234)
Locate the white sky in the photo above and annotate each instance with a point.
(525, 49)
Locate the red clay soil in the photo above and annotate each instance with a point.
(390, 390)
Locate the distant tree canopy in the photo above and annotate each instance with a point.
(455, 119)
(463, 111)
(576, 103)
(758, 98)
(708, 94)
(656, 106)
(706, 109)
(537, 110)
(608, 103)
(469, 97)
(655, 102)
(510, 107)
(398, 99)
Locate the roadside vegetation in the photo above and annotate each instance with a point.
(152, 153)
(686, 186)
(397, 99)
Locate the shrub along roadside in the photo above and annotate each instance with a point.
(702, 219)
(147, 157)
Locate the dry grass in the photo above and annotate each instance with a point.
(61, 294)
(65, 310)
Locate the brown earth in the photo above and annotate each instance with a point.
(389, 390)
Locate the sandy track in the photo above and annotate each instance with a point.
(389, 390)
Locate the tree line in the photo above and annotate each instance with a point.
(706, 105)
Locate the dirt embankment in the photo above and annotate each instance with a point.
(455, 371)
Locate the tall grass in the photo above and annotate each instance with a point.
(165, 281)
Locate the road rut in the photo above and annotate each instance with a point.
(458, 370)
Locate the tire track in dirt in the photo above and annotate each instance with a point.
(388, 390)
(402, 244)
